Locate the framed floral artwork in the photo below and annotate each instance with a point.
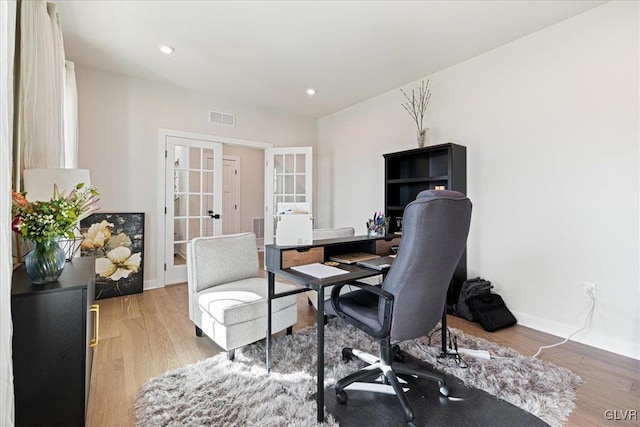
(117, 242)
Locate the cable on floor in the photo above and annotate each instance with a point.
(586, 325)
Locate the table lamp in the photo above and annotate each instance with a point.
(38, 184)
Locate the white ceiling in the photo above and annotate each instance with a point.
(269, 52)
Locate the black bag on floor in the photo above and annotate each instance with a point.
(491, 311)
(470, 288)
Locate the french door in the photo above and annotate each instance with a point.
(288, 179)
(193, 199)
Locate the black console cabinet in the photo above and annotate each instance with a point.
(407, 173)
(54, 327)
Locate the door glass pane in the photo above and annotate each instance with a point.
(288, 184)
(194, 181)
(179, 229)
(300, 184)
(194, 206)
(179, 254)
(208, 205)
(207, 227)
(180, 181)
(207, 154)
(279, 187)
(289, 165)
(278, 163)
(194, 158)
(180, 206)
(207, 182)
(300, 165)
(180, 154)
(276, 200)
(194, 228)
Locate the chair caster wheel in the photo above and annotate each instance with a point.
(398, 355)
(444, 391)
(341, 397)
(347, 354)
(410, 424)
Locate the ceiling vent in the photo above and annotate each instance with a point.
(221, 118)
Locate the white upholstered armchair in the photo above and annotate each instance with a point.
(227, 296)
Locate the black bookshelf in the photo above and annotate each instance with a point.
(409, 172)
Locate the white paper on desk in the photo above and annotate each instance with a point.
(318, 270)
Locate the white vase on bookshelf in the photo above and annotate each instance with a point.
(424, 137)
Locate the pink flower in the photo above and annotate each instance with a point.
(15, 225)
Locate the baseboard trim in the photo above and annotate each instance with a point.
(151, 284)
(593, 339)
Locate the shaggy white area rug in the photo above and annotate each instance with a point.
(218, 392)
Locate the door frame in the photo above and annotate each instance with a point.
(163, 134)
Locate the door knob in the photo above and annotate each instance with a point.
(214, 216)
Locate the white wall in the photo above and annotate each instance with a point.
(550, 122)
(119, 118)
(7, 41)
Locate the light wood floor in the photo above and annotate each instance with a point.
(144, 335)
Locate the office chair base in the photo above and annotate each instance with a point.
(387, 371)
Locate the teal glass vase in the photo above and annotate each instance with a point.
(44, 264)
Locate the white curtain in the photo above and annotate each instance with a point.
(7, 38)
(42, 80)
(70, 119)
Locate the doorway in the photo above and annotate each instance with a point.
(285, 172)
(196, 214)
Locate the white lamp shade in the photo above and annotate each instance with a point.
(38, 183)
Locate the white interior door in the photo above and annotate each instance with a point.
(193, 202)
(288, 179)
(230, 195)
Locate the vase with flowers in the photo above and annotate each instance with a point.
(378, 225)
(44, 222)
(416, 106)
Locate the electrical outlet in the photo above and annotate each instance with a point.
(589, 289)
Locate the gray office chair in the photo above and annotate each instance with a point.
(412, 297)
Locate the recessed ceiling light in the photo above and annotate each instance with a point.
(167, 50)
(311, 91)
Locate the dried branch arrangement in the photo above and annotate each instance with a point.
(417, 105)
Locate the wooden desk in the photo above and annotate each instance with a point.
(280, 259)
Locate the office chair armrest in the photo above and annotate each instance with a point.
(380, 293)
